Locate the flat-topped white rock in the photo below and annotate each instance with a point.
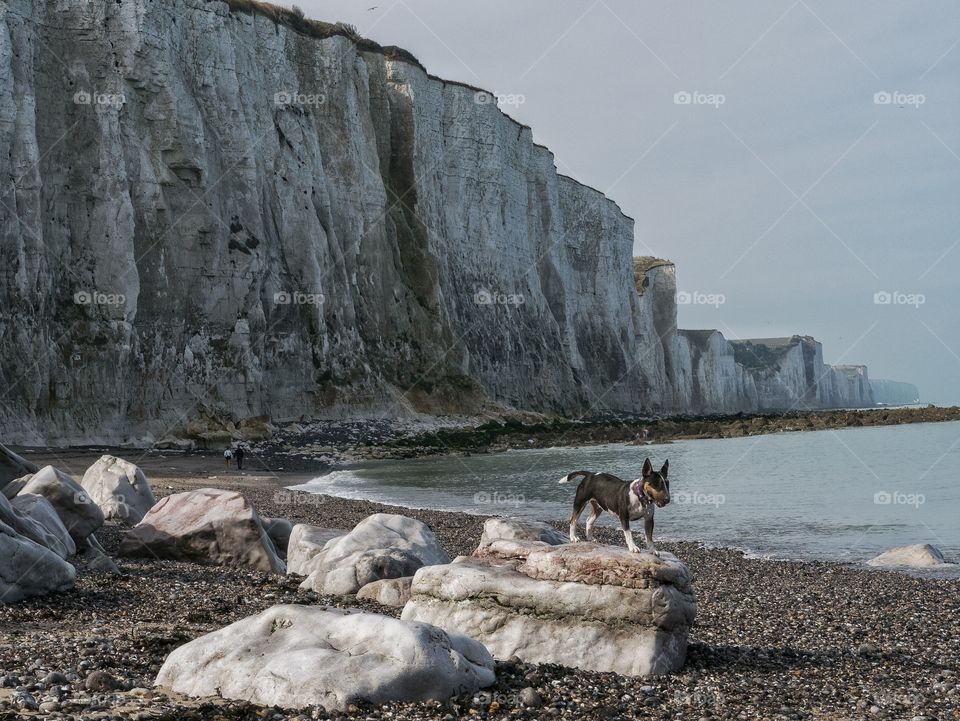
(29, 569)
(33, 517)
(204, 526)
(383, 545)
(76, 509)
(582, 605)
(918, 555)
(119, 488)
(305, 542)
(518, 529)
(296, 656)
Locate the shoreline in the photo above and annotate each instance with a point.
(199, 469)
(773, 639)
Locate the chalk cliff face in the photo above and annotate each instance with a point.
(700, 371)
(894, 393)
(206, 216)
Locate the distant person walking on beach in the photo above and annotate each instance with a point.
(227, 457)
(239, 455)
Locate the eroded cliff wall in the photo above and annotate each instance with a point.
(206, 214)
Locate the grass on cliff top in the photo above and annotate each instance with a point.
(294, 18)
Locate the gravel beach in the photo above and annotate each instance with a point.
(772, 640)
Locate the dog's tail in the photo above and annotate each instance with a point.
(567, 477)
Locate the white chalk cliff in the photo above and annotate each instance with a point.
(206, 214)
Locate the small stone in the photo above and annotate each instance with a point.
(866, 649)
(530, 697)
(100, 681)
(26, 701)
(55, 678)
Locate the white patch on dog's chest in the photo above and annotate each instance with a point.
(637, 509)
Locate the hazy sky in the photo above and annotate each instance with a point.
(786, 184)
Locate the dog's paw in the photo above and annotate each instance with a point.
(575, 539)
(635, 550)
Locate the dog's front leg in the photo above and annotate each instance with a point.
(627, 536)
(648, 531)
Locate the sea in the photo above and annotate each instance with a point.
(840, 495)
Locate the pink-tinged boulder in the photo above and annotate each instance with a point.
(76, 509)
(204, 526)
(582, 605)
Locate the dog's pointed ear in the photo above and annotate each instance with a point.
(647, 468)
(666, 465)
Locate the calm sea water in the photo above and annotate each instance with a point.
(841, 495)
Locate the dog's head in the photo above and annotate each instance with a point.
(655, 483)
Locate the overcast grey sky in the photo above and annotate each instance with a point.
(798, 198)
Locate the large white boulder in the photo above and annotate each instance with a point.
(76, 509)
(29, 569)
(120, 489)
(297, 656)
(305, 542)
(518, 529)
(383, 545)
(204, 526)
(918, 555)
(583, 605)
(33, 517)
(393, 592)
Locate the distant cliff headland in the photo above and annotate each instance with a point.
(222, 213)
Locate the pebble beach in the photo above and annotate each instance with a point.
(772, 639)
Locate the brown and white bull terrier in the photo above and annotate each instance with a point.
(624, 500)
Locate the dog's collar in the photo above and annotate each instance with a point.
(638, 489)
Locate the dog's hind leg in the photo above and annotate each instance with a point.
(574, 517)
(594, 515)
(579, 503)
